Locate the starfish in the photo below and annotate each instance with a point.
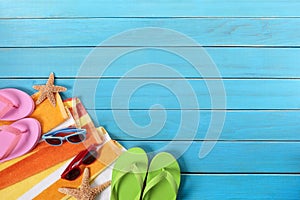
(48, 90)
(85, 192)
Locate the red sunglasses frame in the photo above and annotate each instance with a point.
(78, 160)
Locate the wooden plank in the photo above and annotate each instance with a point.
(239, 125)
(155, 8)
(231, 62)
(204, 31)
(174, 93)
(228, 157)
(239, 187)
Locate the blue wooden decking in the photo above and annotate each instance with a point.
(254, 44)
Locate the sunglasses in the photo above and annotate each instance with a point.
(86, 157)
(79, 135)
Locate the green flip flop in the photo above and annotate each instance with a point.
(128, 175)
(163, 178)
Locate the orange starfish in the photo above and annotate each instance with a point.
(48, 90)
(85, 192)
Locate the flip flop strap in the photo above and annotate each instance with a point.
(164, 175)
(135, 170)
(8, 107)
(16, 140)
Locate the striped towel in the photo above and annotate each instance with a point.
(21, 174)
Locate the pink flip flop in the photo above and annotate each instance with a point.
(18, 138)
(14, 104)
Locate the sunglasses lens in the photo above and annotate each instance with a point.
(73, 174)
(90, 157)
(53, 141)
(76, 138)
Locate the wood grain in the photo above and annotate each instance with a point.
(231, 62)
(228, 157)
(245, 186)
(239, 125)
(155, 8)
(204, 32)
(173, 93)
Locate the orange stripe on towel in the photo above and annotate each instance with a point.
(46, 156)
